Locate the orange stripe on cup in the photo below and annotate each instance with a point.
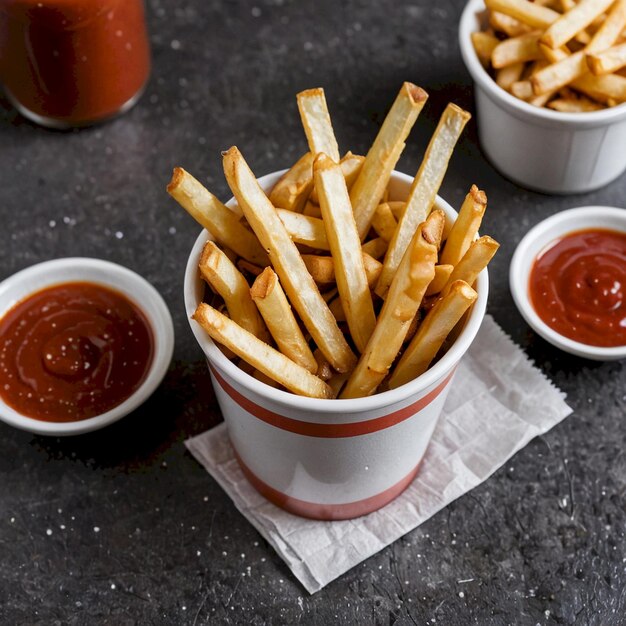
(327, 512)
(314, 429)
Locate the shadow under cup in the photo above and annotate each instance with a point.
(330, 459)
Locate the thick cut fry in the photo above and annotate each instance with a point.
(287, 262)
(247, 267)
(608, 61)
(294, 186)
(507, 24)
(517, 50)
(337, 309)
(526, 12)
(397, 208)
(442, 274)
(523, 90)
(384, 222)
(312, 210)
(574, 105)
(217, 218)
(605, 88)
(375, 248)
(474, 261)
(424, 189)
(432, 332)
(303, 229)
(322, 268)
(414, 274)
(218, 270)
(572, 22)
(272, 302)
(257, 353)
(484, 44)
(509, 75)
(324, 370)
(351, 165)
(559, 74)
(610, 30)
(382, 157)
(465, 227)
(317, 124)
(345, 246)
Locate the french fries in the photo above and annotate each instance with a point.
(535, 51)
(324, 226)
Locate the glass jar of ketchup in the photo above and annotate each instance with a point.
(70, 63)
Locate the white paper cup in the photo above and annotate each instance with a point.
(536, 147)
(330, 459)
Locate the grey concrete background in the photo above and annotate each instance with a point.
(122, 526)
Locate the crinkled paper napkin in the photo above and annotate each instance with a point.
(499, 402)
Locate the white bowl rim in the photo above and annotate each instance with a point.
(349, 406)
(143, 292)
(568, 221)
(482, 77)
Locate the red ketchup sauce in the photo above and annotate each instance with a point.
(578, 287)
(73, 61)
(72, 351)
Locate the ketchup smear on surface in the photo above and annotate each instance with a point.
(72, 351)
(578, 287)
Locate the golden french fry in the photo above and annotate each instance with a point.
(273, 305)
(217, 218)
(432, 332)
(257, 353)
(324, 370)
(413, 276)
(484, 44)
(317, 124)
(509, 75)
(424, 189)
(397, 207)
(610, 30)
(474, 261)
(605, 88)
(304, 229)
(351, 165)
(442, 274)
(507, 25)
(218, 270)
(578, 105)
(312, 210)
(465, 227)
(608, 61)
(559, 74)
(337, 309)
(523, 90)
(345, 247)
(572, 22)
(322, 268)
(336, 382)
(384, 154)
(294, 186)
(264, 379)
(375, 247)
(247, 267)
(517, 50)
(287, 262)
(528, 13)
(384, 222)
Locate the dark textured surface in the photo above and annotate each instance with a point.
(122, 526)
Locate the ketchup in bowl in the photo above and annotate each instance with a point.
(73, 351)
(577, 286)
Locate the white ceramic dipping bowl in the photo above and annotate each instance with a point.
(139, 291)
(329, 459)
(542, 235)
(536, 147)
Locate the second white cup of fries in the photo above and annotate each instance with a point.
(550, 89)
(333, 302)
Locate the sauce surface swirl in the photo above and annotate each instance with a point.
(577, 286)
(73, 351)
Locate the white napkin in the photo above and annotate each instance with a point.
(499, 401)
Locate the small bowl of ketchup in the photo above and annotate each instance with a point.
(568, 280)
(83, 342)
